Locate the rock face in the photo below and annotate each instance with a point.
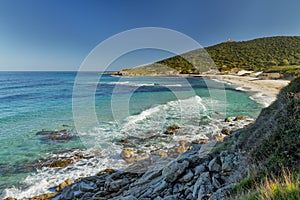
(174, 170)
(192, 175)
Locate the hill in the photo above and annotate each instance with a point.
(271, 54)
(257, 54)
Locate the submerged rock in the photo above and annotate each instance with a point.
(56, 136)
(171, 130)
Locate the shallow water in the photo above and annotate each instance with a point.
(33, 101)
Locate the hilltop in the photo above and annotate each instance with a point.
(270, 54)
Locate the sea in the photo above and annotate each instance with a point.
(122, 106)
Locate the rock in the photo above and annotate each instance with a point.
(200, 169)
(64, 184)
(227, 163)
(171, 130)
(178, 188)
(106, 171)
(222, 193)
(84, 187)
(216, 181)
(202, 185)
(227, 119)
(187, 177)
(129, 198)
(239, 118)
(174, 170)
(56, 136)
(67, 194)
(61, 159)
(214, 165)
(127, 155)
(200, 141)
(116, 185)
(159, 152)
(40, 197)
(226, 131)
(160, 187)
(60, 163)
(125, 140)
(87, 195)
(171, 197)
(146, 194)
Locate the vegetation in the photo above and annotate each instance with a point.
(274, 142)
(272, 54)
(287, 70)
(258, 54)
(285, 187)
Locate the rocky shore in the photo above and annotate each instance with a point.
(192, 169)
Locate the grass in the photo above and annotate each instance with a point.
(284, 187)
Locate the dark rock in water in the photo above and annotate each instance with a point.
(227, 119)
(239, 118)
(171, 130)
(61, 160)
(60, 163)
(56, 136)
(226, 131)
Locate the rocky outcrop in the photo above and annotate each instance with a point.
(192, 175)
(56, 136)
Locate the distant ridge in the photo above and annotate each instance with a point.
(257, 54)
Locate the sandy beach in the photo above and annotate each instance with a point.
(262, 91)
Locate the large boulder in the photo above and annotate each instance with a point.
(174, 170)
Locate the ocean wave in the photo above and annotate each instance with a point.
(187, 113)
(128, 83)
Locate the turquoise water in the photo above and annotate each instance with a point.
(33, 101)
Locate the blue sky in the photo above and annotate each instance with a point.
(59, 34)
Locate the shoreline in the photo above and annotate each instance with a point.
(262, 91)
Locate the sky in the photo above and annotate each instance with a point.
(59, 34)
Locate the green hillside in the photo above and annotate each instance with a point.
(257, 54)
(273, 54)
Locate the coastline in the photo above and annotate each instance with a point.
(262, 91)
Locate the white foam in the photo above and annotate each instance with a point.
(40, 182)
(262, 99)
(185, 113)
(136, 84)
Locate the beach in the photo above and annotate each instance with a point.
(262, 91)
